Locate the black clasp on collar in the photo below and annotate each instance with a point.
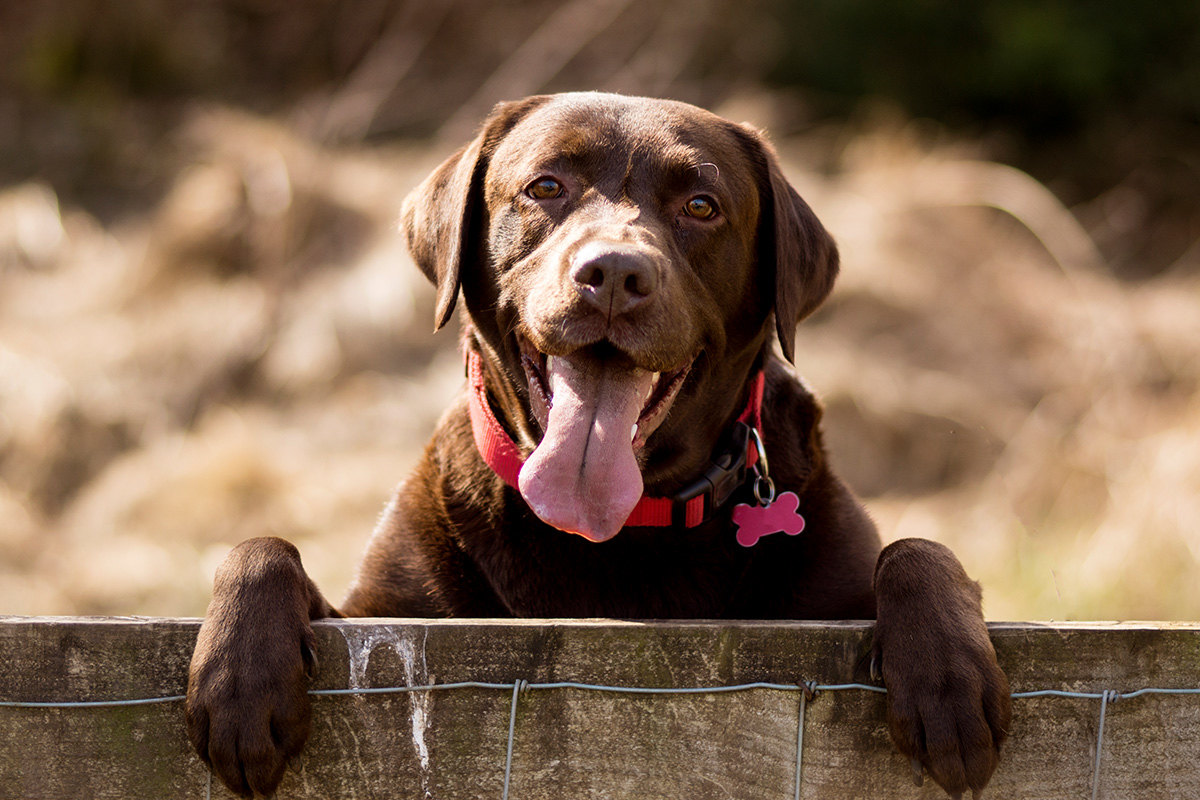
(724, 477)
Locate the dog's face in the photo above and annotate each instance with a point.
(620, 260)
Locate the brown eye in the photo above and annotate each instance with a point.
(700, 207)
(544, 189)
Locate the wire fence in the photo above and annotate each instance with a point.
(807, 691)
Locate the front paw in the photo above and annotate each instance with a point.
(949, 706)
(248, 708)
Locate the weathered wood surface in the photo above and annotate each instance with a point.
(572, 743)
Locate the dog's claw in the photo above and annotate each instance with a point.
(918, 772)
(876, 672)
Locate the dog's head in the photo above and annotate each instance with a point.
(621, 260)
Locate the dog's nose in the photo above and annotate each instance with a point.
(613, 278)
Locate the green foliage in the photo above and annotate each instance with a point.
(1039, 66)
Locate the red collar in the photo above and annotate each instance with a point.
(688, 507)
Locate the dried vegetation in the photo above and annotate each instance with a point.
(249, 351)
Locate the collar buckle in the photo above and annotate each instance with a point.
(724, 476)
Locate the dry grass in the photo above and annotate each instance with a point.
(254, 357)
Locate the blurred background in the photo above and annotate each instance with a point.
(210, 330)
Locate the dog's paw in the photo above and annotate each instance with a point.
(949, 719)
(248, 708)
(948, 705)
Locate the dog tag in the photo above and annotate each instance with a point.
(779, 516)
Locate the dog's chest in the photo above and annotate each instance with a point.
(664, 575)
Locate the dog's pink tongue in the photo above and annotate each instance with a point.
(583, 477)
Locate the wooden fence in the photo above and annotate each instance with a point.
(587, 742)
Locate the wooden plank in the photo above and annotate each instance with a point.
(570, 742)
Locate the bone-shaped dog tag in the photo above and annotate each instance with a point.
(779, 516)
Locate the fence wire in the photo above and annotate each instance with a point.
(807, 691)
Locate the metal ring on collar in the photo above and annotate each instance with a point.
(764, 470)
(764, 498)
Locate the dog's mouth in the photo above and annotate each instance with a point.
(596, 409)
(542, 370)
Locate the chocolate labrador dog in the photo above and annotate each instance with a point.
(628, 444)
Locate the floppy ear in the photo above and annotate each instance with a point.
(792, 244)
(440, 218)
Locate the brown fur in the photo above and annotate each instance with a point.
(456, 541)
